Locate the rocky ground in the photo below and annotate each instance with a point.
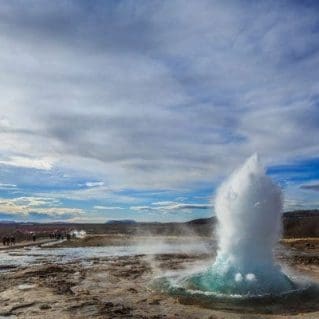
(120, 287)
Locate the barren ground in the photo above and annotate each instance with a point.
(119, 286)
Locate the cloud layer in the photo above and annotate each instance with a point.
(156, 95)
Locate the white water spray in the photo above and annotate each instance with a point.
(248, 209)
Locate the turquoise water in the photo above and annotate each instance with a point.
(261, 280)
(303, 294)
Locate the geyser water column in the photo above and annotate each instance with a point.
(248, 208)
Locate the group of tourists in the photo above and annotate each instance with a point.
(57, 235)
(9, 240)
(61, 235)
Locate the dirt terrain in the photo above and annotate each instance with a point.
(120, 286)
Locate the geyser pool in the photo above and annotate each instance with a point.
(248, 208)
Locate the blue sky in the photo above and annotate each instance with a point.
(139, 109)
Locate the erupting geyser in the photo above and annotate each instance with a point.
(244, 275)
(248, 209)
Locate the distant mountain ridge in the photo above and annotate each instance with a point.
(121, 221)
(302, 213)
(302, 223)
(198, 221)
(201, 221)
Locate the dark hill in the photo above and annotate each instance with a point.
(295, 224)
(302, 223)
(123, 222)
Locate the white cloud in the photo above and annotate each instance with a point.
(291, 204)
(141, 208)
(156, 95)
(94, 184)
(101, 207)
(167, 206)
(163, 203)
(184, 206)
(100, 193)
(24, 206)
(20, 161)
(7, 186)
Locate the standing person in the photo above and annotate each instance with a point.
(12, 240)
(34, 237)
(4, 240)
